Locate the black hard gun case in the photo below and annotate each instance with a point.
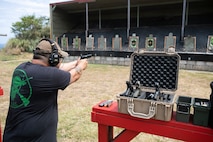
(151, 88)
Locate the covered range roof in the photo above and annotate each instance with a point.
(79, 6)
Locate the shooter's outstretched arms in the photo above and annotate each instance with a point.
(68, 66)
(77, 71)
(71, 65)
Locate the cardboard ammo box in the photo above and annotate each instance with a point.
(151, 88)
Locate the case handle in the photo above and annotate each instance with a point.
(130, 108)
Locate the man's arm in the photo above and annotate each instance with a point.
(68, 66)
(75, 68)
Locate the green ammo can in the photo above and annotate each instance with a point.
(201, 111)
(183, 108)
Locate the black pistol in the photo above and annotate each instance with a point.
(137, 91)
(86, 56)
(129, 90)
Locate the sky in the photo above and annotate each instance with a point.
(11, 11)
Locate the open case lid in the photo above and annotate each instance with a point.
(150, 68)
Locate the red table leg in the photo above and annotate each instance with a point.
(126, 135)
(105, 133)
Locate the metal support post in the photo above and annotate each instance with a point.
(183, 21)
(128, 19)
(87, 21)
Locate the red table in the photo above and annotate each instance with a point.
(109, 117)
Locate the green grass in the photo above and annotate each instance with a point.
(8, 57)
(5, 57)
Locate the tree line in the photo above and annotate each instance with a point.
(28, 31)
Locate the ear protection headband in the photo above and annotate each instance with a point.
(54, 56)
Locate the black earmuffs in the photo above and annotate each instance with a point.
(54, 57)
